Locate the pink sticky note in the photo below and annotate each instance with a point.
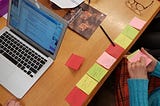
(106, 60)
(115, 51)
(137, 23)
(74, 62)
(76, 97)
(137, 56)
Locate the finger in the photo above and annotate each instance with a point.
(146, 53)
(17, 103)
(11, 103)
(142, 60)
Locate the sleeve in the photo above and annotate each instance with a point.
(156, 71)
(138, 92)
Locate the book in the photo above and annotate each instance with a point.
(84, 19)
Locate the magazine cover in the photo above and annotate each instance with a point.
(84, 19)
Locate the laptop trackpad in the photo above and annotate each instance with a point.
(6, 69)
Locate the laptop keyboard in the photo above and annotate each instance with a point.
(19, 54)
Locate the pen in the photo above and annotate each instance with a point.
(107, 36)
(89, 2)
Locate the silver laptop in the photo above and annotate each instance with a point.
(28, 45)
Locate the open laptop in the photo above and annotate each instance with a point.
(28, 45)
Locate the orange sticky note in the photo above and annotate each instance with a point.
(115, 51)
(106, 60)
(76, 97)
(74, 62)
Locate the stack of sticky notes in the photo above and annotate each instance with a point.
(74, 62)
(135, 56)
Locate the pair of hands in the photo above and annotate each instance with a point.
(139, 69)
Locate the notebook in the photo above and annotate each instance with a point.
(28, 45)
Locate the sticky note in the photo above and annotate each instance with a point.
(97, 72)
(123, 41)
(76, 97)
(74, 62)
(135, 56)
(87, 84)
(115, 51)
(130, 32)
(106, 60)
(137, 23)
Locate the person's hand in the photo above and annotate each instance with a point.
(152, 65)
(138, 69)
(13, 102)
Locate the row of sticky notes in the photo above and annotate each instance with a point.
(85, 86)
(95, 74)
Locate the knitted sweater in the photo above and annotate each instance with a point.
(138, 91)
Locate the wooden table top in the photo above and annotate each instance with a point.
(56, 83)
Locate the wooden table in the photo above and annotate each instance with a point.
(52, 88)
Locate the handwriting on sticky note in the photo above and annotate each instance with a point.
(123, 41)
(130, 32)
(87, 84)
(106, 60)
(97, 72)
(76, 97)
(137, 23)
(135, 56)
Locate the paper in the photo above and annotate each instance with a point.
(123, 41)
(97, 72)
(74, 62)
(115, 51)
(5, 16)
(67, 3)
(130, 32)
(137, 23)
(87, 84)
(106, 60)
(76, 97)
(135, 56)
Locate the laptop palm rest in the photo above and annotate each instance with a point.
(6, 69)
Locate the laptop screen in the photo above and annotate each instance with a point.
(36, 24)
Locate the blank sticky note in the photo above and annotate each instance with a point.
(74, 62)
(136, 56)
(137, 23)
(130, 32)
(106, 60)
(97, 72)
(76, 97)
(123, 41)
(115, 51)
(87, 84)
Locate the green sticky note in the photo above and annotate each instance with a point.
(130, 32)
(87, 84)
(123, 41)
(97, 72)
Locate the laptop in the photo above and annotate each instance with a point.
(28, 45)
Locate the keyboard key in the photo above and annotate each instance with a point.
(9, 58)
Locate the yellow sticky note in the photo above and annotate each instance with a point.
(131, 55)
(87, 84)
(130, 32)
(97, 72)
(123, 41)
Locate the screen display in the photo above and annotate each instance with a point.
(36, 24)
